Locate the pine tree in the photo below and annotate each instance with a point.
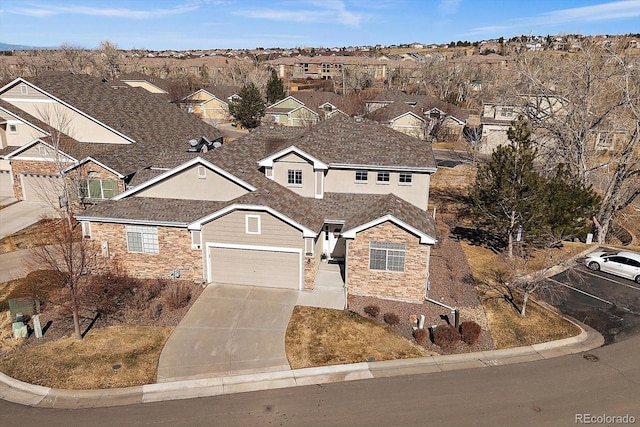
(275, 88)
(249, 108)
(510, 195)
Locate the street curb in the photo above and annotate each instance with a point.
(44, 397)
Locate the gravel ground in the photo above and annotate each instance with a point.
(451, 284)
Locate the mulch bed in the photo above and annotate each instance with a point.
(57, 321)
(451, 284)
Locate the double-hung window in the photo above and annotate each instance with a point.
(385, 256)
(405, 178)
(97, 188)
(294, 177)
(142, 239)
(362, 176)
(382, 178)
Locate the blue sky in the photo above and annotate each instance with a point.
(208, 24)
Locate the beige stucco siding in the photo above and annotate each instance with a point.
(215, 109)
(288, 103)
(294, 162)
(189, 185)
(232, 229)
(69, 121)
(343, 181)
(146, 86)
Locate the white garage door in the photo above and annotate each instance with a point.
(6, 186)
(255, 267)
(41, 187)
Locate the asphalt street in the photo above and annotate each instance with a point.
(604, 382)
(607, 303)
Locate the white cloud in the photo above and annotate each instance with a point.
(449, 7)
(324, 11)
(41, 10)
(600, 12)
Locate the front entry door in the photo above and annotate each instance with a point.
(331, 236)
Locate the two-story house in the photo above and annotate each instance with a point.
(96, 133)
(211, 103)
(264, 210)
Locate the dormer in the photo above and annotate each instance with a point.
(300, 172)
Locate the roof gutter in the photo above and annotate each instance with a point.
(131, 221)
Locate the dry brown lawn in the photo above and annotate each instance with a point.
(508, 328)
(89, 364)
(320, 337)
(40, 233)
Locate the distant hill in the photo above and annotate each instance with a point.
(7, 46)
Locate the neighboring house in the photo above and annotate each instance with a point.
(263, 210)
(211, 103)
(402, 117)
(150, 84)
(99, 134)
(442, 119)
(328, 104)
(497, 116)
(290, 112)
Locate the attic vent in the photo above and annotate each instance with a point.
(358, 119)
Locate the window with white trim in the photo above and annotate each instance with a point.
(294, 177)
(405, 178)
(99, 189)
(13, 128)
(142, 239)
(383, 178)
(252, 224)
(362, 176)
(385, 256)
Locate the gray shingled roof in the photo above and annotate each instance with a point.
(392, 111)
(160, 129)
(352, 141)
(152, 209)
(240, 159)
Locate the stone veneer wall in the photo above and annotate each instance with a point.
(407, 286)
(100, 173)
(174, 252)
(29, 166)
(42, 167)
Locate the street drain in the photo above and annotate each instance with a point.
(591, 357)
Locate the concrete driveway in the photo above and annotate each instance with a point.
(229, 329)
(19, 215)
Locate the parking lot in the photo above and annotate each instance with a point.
(608, 303)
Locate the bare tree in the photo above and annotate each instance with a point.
(70, 254)
(109, 60)
(584, 110)
(75, 59)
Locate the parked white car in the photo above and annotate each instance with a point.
(621, 263)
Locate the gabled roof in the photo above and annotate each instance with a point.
(348, 142)
(17, 150)
(357, 211)
(161, 84)
(159, 131)
(268, 161)
(394, 111)
(180, 168)
(276, 106)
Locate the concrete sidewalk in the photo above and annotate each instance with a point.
(37, 396)
(230, 329)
